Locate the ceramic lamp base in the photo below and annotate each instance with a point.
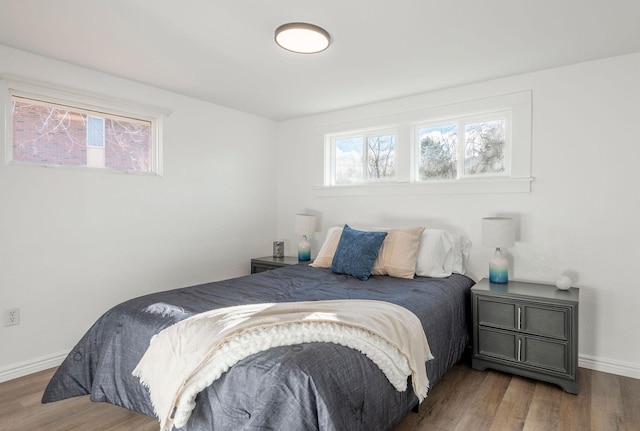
(498, 268)
(304, 250)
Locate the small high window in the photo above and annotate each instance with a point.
(464, 148)
(49, 127)
(364, 157)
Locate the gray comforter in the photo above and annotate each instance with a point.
(315, 386)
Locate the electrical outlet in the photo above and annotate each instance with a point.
(11, 316)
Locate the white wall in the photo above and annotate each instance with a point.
(73, 243)
(581, 215)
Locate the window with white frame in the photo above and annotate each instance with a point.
(50, 128)
(361, 157)
(464, 147)
(481, 145)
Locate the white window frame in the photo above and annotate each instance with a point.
(83, 101)
(516, 179)
(364, 134)
(504, 115)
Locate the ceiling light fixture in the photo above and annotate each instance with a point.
(302, 38)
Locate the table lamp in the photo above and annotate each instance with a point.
(498, 232)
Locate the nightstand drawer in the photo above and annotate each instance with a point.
(547, 354)
(528, 317)
(256, 268)
(267, 263)
(498, 344)
(532, 351)
(547, 321)
(497, 313)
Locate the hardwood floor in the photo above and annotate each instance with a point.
(465, 400)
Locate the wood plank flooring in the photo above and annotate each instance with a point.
(465, 400)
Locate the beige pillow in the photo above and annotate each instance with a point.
(328, 249)
(399, 253)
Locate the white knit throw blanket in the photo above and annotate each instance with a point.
(187, 357)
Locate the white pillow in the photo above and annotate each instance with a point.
(460, 253)
(435, 254)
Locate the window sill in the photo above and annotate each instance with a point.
(508, 185)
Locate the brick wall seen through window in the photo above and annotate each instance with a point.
(52, 134)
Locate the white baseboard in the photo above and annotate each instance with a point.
(25, 368)
(29, 367)
(609, 366)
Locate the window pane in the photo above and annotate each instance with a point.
(381, 157)
(438, 152)
(484, 148)
(51, 134)
(349, 160)
(95, 132)
(128, 145)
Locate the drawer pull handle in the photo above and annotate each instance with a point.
(519, 350)
(519, 318)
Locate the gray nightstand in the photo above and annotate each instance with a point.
(527, 329)
(260, 264)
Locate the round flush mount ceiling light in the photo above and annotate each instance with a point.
(302, 38)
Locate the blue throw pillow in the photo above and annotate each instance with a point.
(356, 252)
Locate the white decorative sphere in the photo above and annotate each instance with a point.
(563, 282)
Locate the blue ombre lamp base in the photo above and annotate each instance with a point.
(498, 268)
(304, 250)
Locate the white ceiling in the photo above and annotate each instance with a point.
(223, 51)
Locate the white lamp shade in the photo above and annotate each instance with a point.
(498, 232)
(305, 224)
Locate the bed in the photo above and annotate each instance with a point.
(308, 386)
